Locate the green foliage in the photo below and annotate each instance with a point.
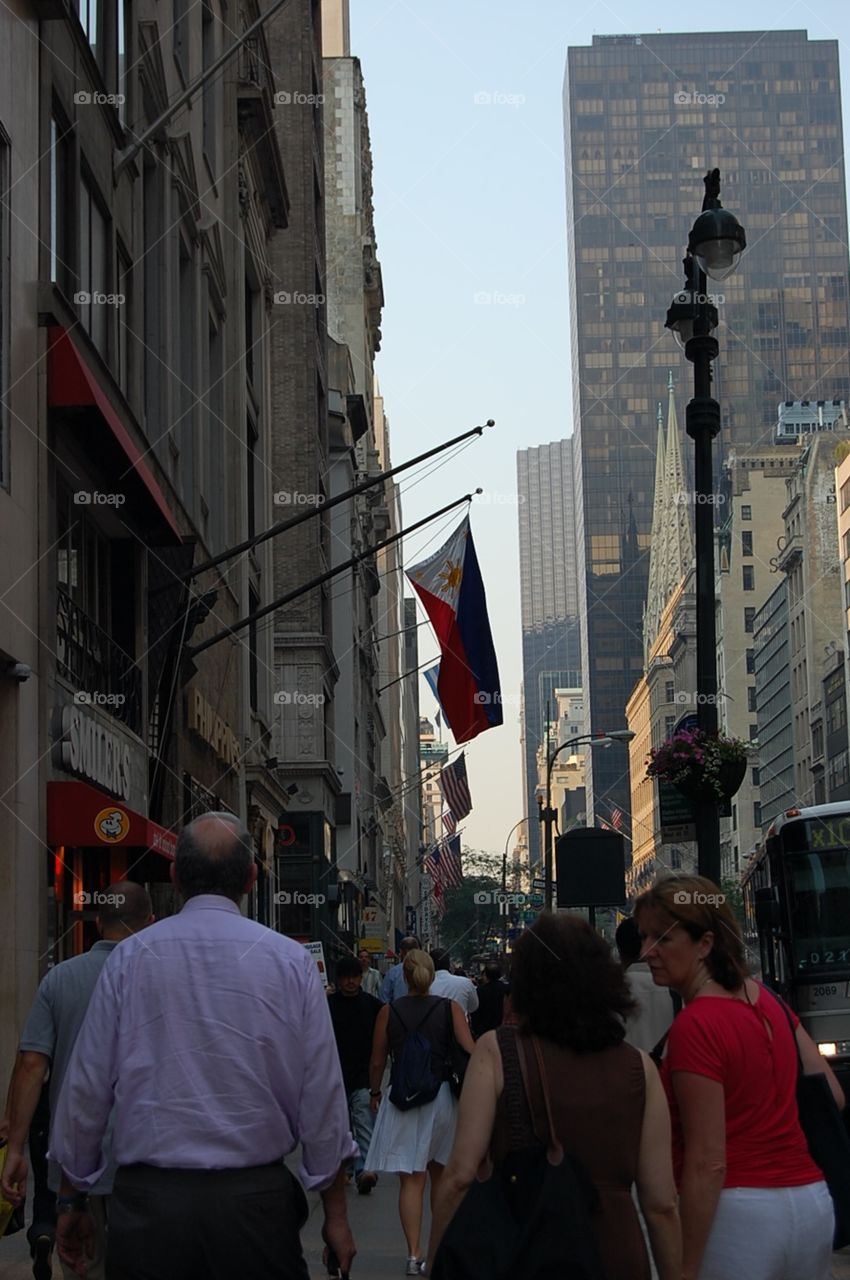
(841, 451)
(470, 928)
(731, 888)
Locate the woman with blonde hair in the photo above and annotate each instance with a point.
(752, 1201)
(413, 1137)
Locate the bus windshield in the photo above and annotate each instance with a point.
(819, 901)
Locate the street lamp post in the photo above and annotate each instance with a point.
(514, 828)
(548, 815)
(715, 244)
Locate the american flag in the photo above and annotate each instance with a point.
(452, 871)
(450, 822)
(455, 788)
(431, 864)
(616, 818)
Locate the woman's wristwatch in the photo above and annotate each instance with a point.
(374, 1093)
(72, 1204)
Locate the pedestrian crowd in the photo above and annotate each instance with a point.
(597, 1118)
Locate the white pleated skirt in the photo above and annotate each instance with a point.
(407, 1141)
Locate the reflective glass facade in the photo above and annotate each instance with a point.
(548, 563)
(646, 117)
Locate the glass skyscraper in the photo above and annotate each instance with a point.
(549, 570)
(645, 118)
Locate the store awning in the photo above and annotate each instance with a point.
(80, 815)
(71, 384)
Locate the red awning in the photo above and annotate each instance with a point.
(71, 384)
(80, 815)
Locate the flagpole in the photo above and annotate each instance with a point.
(192, 651)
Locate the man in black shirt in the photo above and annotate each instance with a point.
(353, 1014)
(491, 999)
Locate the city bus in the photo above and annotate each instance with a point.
(797, 908)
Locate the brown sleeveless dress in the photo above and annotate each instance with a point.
(597, 1105)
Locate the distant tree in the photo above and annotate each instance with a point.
(471, 926)
(734, 898)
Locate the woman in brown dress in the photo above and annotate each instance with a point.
(609, 1108)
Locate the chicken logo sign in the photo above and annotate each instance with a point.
(111, 825)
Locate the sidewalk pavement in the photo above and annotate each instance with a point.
(374, 1221)
(377, 1232)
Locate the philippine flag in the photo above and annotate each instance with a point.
(452, 593)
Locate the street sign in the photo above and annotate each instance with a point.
(538, 884)
(677, 818)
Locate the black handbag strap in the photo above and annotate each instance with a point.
(518, 1119)
(801, 1070)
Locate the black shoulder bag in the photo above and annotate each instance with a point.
(457, 1059)
(531, 1218)
(829, 1145)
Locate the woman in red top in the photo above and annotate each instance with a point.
(752, 1201)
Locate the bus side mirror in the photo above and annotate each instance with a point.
(767, 910)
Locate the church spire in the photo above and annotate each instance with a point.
(672, 549)
(652, 608)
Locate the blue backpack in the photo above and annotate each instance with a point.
(417, 1071)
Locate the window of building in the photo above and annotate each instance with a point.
(91, 20)
(746, 542)
(817, 740)
(250, 302)
(836, 715)
(93, 273)
(847, 545)
(749, 617)
(734, 817)
(755, 778)
(754, 732)
(669, 726)
(751, 662)
(845, 495)
(669, 691)
(847, 595)
(153, 259)
(253, 662)
(251, 479)
(123, 313)
(746, 512)
(123, 22)
(748, 574)
(838, 772)
(211, 86)
(181, 37)
(5, 152)
(751, 698)
(61, 203)
(756, 813)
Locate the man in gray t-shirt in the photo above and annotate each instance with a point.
(48, 1037)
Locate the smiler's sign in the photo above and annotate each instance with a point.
(89, 749)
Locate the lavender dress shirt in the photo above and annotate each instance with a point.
(211, 1034)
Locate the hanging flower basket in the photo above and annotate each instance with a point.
(702, 766)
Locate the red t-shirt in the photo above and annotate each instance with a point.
(727, 1040)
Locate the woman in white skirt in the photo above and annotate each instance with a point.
(415, 1142)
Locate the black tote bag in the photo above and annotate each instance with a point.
(829, 1145)
(530, 1219)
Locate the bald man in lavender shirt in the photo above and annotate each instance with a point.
(210, 1037)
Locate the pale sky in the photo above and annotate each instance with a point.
(464, 102)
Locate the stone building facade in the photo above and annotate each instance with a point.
(145, 328)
